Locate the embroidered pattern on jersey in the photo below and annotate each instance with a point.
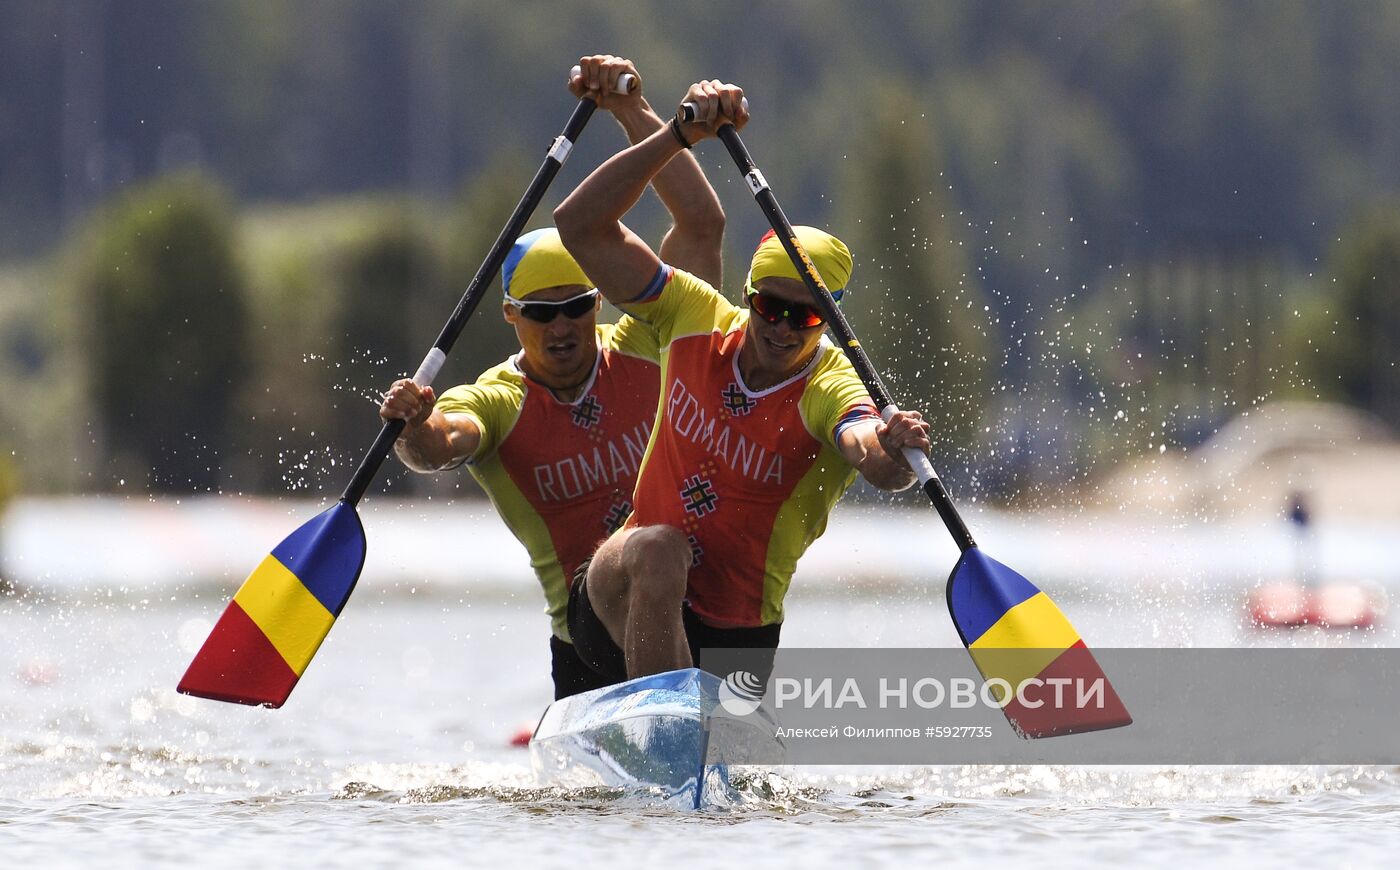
(617, 515)
(736, 401)
(696, 551)
(698, 496)
(588, 412)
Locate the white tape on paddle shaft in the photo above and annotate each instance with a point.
(432, 364)
(916, 458)
(757, 183)
(560, 150)
(625, 82)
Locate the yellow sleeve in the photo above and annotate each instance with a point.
(632, 337)
(493, 403)
(835, 398)
(677, 303)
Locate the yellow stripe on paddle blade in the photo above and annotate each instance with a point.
(291, 617)
(1021, 644)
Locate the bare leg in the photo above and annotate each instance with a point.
(635, 584)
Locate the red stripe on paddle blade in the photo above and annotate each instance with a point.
(239, 664)
(1039, 712)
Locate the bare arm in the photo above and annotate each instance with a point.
(431, 440)
(876, 450)
(590, 219)
(695, 240)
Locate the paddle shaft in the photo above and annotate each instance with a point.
(836, 322)
(558, 153)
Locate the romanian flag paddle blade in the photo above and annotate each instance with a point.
(1030, 655)
(276, 621)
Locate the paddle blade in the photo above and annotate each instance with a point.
(1027, 650)
(276, 621)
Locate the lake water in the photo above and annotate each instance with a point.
(394, 751)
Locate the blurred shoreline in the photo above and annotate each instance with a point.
(189, 546)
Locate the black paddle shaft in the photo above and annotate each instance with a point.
(836, 321)
(558, 153)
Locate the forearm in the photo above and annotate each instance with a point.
(695, 239)
(886, 473)
(590, 219)
(598, 204)
(863, 450)
(428, 446)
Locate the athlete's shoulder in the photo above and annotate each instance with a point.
(630, 337)
(832, 365)
(678, 303)
(834, 398)
(706, 306)
(505, 372)
(501, 384)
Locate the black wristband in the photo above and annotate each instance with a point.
(675, 126)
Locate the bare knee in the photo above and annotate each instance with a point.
(656, 560)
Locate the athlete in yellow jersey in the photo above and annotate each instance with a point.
(762, 425)
(556, 433)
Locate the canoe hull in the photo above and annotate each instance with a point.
(653, 732)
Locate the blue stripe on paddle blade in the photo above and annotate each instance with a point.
(326, 554)
(980, 591)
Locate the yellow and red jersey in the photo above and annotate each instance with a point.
(561, 474)
(749, 476)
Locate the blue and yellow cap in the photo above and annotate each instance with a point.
(828, 253)
(538, 260)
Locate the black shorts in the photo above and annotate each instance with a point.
(570, 674)
(598, 651)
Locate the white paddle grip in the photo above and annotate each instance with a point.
(915, 457)
(626, 83)
(429, 368)
(688, 110)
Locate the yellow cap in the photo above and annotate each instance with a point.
(828, 253)
(539, 260)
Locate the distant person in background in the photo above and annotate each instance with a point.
(763, 425)
(556, 433)
(1305, 544)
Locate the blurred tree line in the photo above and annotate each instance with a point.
(1082, 229)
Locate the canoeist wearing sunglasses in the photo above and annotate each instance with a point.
(763, 424)
(775, 309)
(544, 312)
(556, 433)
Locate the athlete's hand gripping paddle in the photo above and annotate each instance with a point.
(1021, 642)
(276, 621)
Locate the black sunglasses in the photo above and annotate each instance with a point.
(544, 312)
(799, 315)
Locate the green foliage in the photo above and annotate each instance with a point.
(1137, 190)
(1167, 347)
(44, 418)
(480, 211)
(345, 297)
(9, 481)
(913, 296)
(1358, 359)
(166, 333)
